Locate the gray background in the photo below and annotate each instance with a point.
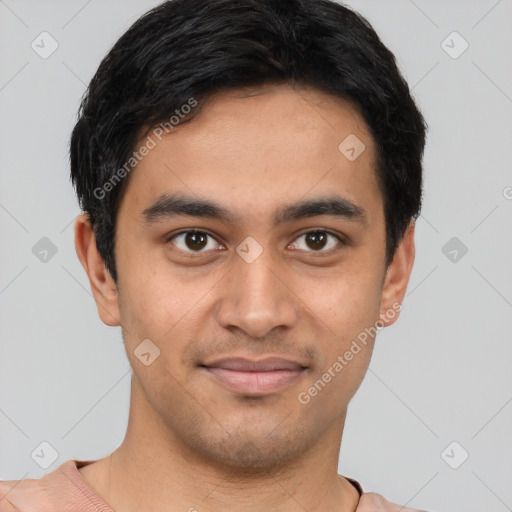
(441, 374)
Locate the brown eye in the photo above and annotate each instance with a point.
(193, 241)
(317, 241)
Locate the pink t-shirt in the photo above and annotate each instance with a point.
(64, 490)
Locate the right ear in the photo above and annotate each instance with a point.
(103, 286)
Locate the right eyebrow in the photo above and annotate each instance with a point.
(175, 205)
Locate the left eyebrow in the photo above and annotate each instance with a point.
(177, 205)
(334, 206)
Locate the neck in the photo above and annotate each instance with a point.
(152, 467)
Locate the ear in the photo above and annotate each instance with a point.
(397, 278)
(103, 286)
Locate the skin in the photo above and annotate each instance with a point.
(190, 441)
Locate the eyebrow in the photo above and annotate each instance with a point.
(177, 205)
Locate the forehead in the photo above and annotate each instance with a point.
(256, 148)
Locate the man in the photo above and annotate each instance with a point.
(250, 172)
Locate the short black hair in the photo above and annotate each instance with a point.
(183, 51)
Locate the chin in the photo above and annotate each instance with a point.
(249, 450)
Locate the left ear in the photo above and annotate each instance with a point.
(397, 278)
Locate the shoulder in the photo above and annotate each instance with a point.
(20, 495)
(372, 502)
(37, 494)
(5, 504)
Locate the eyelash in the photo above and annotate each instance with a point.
(338, 237)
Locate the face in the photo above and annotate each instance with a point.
(250, 250)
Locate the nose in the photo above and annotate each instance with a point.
(257, 298)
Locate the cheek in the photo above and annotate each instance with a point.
(345, 319)
(155, 309)
(346, 308)
(346, 301)
(168, 306)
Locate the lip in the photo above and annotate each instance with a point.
(255, 377)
